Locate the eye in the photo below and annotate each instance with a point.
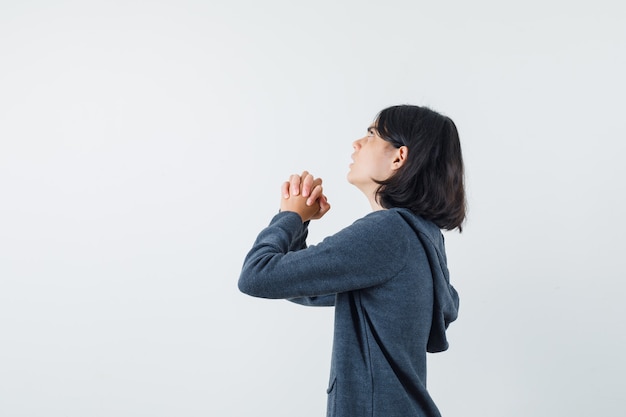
(370, 133)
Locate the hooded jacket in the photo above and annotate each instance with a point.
(386, 275)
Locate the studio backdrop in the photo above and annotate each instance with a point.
(142, 148)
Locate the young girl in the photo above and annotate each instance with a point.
(385, 274)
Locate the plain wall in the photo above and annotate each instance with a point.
(143, 144)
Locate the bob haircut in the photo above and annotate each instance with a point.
(431, 181)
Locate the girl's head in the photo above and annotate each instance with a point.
(411, 158)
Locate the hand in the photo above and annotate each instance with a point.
(303, 194)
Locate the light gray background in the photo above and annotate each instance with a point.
(142, 146)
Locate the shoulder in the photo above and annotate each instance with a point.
(383, 227)
(403, 223)
(380, 218)
(396, 219)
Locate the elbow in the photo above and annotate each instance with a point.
(246, 285)
(254, 281)
(253, 287)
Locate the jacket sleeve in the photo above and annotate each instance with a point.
(367, 253)
(321, 301)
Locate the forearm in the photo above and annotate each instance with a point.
(285, 233)
(299, 241)
(341, 262)
(321, 301)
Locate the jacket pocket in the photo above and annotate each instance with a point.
(332, 398)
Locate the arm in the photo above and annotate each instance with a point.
(323, 301)
(367, 253)
(303, 195)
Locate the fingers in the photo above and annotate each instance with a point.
(294, 184)
(284, 189)
(316, 192)
(324, 207)
(307, 186)
(299, 184)
(307, 183)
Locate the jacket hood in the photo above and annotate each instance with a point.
(446, 299)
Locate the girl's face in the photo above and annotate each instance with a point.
(373, 160)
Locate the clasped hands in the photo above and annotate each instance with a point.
(303, 194)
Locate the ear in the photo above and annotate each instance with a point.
(400, 157)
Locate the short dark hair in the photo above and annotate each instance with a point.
(431, 181)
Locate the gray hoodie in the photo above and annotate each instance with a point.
(387, 277)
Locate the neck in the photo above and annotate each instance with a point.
(370, 193)
(373, 203)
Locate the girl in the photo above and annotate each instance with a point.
(385, 274)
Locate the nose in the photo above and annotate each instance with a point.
(357, 144)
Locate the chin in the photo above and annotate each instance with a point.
(349, 177)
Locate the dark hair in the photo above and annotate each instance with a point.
(431, 181)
